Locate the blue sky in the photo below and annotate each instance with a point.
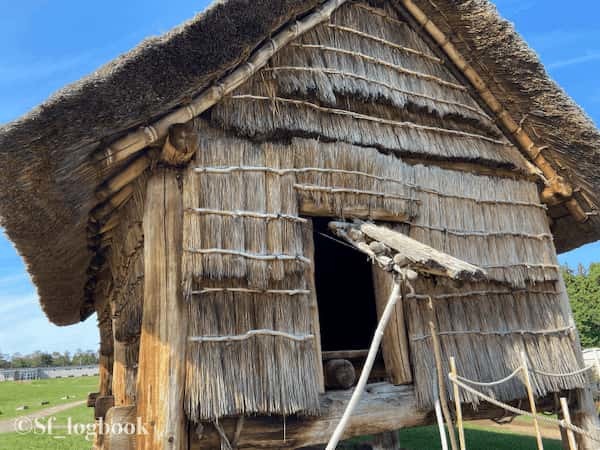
(49, 43)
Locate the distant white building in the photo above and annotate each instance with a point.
(48, 372)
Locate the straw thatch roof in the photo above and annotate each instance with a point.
(48, 176)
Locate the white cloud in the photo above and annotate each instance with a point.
(576, 60)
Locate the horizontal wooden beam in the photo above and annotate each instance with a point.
(309, 208)
(383, 407)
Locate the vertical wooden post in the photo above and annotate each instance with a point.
(120, 373)
(395, 342)
(309, 252)
(386, 441)
(527, 381)
(459, 418)
(567, 418)
(161, 369)
(443, 394)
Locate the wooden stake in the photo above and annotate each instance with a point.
(440, 423)
(458, 406)
(527, 381)
(564, 406)
(443, 394)
(394, 346)
(161, 372)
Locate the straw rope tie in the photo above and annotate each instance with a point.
(265, 257)
(285, 171)
(564, 330)
(252, 333)
(367, 118)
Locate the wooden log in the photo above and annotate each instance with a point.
(584, 415)
(339, 374)
(102, 212)
(91, 399)
(570, 443)
(383, 407)
(125, 177)
(123, 419)
(345, 354)
(529, 387)
(102, 405)
(422, 257)
(181, 144)
(161, 368)
(309, 208)
(395, 342)
(309, 252)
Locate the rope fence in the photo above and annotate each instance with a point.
(524, 370)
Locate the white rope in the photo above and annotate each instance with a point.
(491, 383)
(495, 333)
(385, 42)
(285, 171)
(275, 257)
(562, 375)
(252, 214)
(365, 117)
(521, 412)
(383, 63)
(251, 333)
(254, 291)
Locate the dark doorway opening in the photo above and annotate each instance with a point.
(345, 294)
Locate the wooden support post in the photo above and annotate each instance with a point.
(120, 373)
(386, 441)
(394, 346)
(564, 406)
(102, 405)
(309, 252)
(527, 381)
(443, 394)
(105, 368)
(161, 369)
(121, 418)
(458, 406)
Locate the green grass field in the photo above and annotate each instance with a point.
(59, 439)
(31, 393)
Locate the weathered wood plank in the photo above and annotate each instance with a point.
(125, 416)
(395, 343)
(162, 345)
(383, 407)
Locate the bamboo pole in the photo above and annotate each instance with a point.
(440, 423)
(443, 395)
(364, 376)
(137, 140)
(557, 183)
(123, 178)
(527, 381)
(459, 418)
(567, 418)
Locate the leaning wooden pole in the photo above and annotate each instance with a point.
(443, 394)
(162, 345)
(364, 376)
(527, 381)
(564, 407)
(457, 405)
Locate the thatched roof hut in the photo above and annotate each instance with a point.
(200, 171)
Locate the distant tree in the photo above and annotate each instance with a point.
(584, 293)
